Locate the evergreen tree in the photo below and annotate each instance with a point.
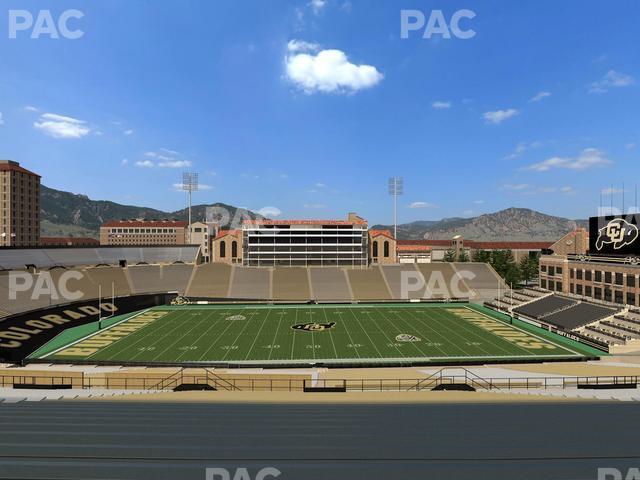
(450, 255)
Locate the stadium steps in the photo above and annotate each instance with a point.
(617, 326)
(394, 276)
(252, 283)
(210, 280)
(368, 284)
(291, 283)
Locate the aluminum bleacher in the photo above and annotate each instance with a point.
(579, 315)
(545, 306)
(210, 280)
(396, 275)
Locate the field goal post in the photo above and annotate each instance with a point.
(113, 296)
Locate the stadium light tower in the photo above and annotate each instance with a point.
(190, 185)
(396, 188)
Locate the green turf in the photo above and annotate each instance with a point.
(362, 333)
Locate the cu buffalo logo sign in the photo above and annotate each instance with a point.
(617, 233)
(314, 327)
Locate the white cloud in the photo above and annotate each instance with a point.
(588, 158)
(630, 146)
(124, 161)
(611, 79)
(421, 205)
(539, 96)
(320, 185)
(1, 119)
(30, 108)
(175, 164)
(327, 71)
(498, 116)
(567, 190)
(317, 6)
(611, 191)
(521, 148)
(201, 186)
(315, 205)
(440, 105)
(144, 163)
(515, 187)
(478, 202)
(128, 132)
(59, 126)
(270, 212)
(284, 176)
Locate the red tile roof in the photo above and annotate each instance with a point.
(145, 223)
(4, 167)
(68, 241)
(224, 233)
(413, 248)
(304, 222)
(386, 233)
(480, 245)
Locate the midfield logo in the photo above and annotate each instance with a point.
(618, 232)
(313, 326)
(405, 337)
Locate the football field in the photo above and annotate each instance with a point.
(256, 334)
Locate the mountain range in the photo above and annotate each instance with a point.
(511, 224)
(70, 214)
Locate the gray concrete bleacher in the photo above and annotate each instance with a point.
(251, 283)
(210, 280)
(112, 280)
(396, 275)
(176, 277)
(484, 277)
(442, 281)
(368, 284)
(329, 284)
(17, 259)
(291, 284)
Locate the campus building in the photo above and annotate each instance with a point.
(306, 242)
(600, 265)
(20, 206)
(143, 232)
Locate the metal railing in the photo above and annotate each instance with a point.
(217, 382)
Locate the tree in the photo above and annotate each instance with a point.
(529, 267)
(481, 256)
(464, 256)
(449, 255)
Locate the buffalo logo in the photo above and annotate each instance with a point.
(236, 317)
(313, 326)
(405, 337)
(617, 232)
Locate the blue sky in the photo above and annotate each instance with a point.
(309, 106)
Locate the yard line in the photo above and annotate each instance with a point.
(276, 334)
(255, 337)
(295, 332)
(444, 354)
(367, 334)
(142, 338)
(180, 337)
(218, 338)
(202, 334)
(335, 352)
(242, 331)
(393, 340)
(486, 336)
(350, 337)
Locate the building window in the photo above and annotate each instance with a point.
(375, 249)
(579, 274)
(552, 271)
(223, 249)
(587, 275)
(234, 249)
(559, 271)
(618, 296)
(631, 281)
(587, 291)
(598, 276)
(543, 268)
(572, 272)
(631, 298)
(619, 279)
(543, 283)
(607, 278)
(579, 289)
(386, 249)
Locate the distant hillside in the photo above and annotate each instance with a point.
(64, 213)
(513, 224)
